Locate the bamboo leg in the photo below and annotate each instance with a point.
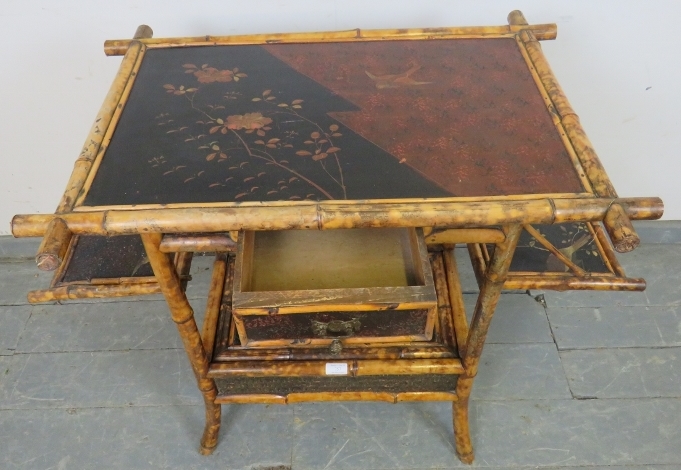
(54, 246)
(624, 237)
(183, 316)
(462, 434)
(493, 282)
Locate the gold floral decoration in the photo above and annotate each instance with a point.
(207, 74)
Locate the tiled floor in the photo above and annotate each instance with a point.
(591, 381)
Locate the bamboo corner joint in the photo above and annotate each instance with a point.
(406, 338)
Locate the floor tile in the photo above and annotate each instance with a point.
(12, 321)
(18, 249)
(10, 371)
(615, 327)
(372, 436)
(577, 432)
(16, 279)
(517, 319)
(102, 327)
(659, 265)
(624, 373)
(520, 372)
(167, 437)
(505, 434)
(100, 379)
(658, 231)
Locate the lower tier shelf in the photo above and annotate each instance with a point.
(389, 388)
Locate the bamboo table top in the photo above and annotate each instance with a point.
(424, 127)
(366, 120)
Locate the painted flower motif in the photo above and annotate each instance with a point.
(207, 74)
(247, 121)
(211, 74)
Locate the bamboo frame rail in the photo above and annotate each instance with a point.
(356, 368)
(213, 243)
(617, 223)
(325, 216)
(94, 140)
(301, 397)
(409, 351)
(541, 32)
(592, 164)
(97, 291)
(563, 283)
(465, 235)
(58, 236)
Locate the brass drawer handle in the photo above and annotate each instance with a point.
(336, 328)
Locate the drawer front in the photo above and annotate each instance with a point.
(322, 328)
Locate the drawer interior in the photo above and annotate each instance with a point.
(290, 260)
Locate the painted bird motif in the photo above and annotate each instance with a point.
(396, 80)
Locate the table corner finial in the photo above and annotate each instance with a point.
(143, 32)
(516, 17)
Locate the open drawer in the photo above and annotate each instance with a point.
(309, 288)
(390, 371)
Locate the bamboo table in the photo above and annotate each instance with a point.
(463, 133)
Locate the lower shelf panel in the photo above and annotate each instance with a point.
(390, 388)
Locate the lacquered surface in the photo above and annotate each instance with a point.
(386, 119)
(101, 257)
